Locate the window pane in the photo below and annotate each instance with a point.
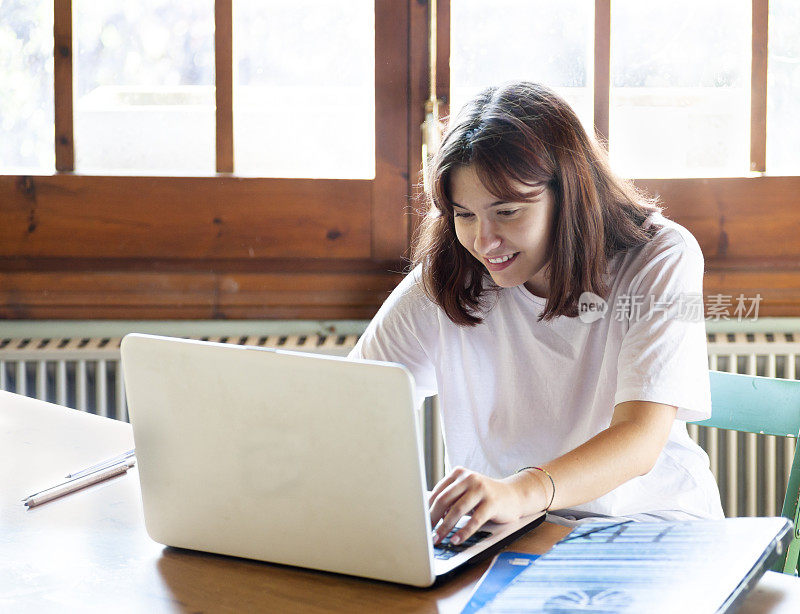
(304, 88)
(144, 86)
(27, 131)
(783, 89)
(532, 40)
(680, 87)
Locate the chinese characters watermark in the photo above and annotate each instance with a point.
(688, 307)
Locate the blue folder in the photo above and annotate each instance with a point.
(505, 567)
(629, 567)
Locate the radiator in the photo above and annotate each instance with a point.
(84, 373)
(751, 470)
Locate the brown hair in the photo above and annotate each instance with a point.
(523, 133)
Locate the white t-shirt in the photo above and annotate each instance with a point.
(516, 392)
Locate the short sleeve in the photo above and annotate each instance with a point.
(399, 333)
(663, 356)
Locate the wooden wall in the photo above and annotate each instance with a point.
(749, 230)
(130, 247)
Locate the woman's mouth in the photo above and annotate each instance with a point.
(500, 262)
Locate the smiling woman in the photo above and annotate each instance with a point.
(543, 410)
(510, 145)
(511, 239)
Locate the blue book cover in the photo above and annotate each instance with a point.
(505, 567)
(632, 567)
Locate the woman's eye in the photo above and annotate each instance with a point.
(507, 212)
(462, 214)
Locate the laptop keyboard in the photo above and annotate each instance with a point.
(444, 549)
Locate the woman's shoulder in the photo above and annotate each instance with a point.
(671, 237)
(670, 243)
(672, 252)
(408, 300)
(411, 288)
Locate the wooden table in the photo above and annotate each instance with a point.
(89, 551)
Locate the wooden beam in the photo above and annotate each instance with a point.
(390, 188)
(180, 247)
(602, 67)
(88, 294)
(776, 287)
(62, 96)
(418, 93)
(758, 87)
(741, 221)
(443, 57)
(199, 218)
(419, 66)
(143, 295)
(223, 61)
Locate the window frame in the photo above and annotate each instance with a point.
(211, 247)
(183, 252)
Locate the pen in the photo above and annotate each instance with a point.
(70, 486)
(109, 461)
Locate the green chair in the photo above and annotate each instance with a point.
(766, 406)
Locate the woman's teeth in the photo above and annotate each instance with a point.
(501, 259)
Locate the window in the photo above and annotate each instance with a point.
(679, 74)
(548, 42)
(680, 88)
(783, 89)
(252, 159)
(221, 158)
(304, 88)
(144, 87)
(26, 98)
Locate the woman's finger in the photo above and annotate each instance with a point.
(442, 503)
(455, 474)
(441, 485)
(468, 500)
(478, 518)
(437, 510)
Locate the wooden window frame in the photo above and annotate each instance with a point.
(82, 246)
(232, 247)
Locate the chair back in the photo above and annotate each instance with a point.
(766, 406)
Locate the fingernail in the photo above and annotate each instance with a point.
(435, 537)
(456, 539)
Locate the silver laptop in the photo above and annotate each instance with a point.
(291, 458)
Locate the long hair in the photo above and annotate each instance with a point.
(524, 134)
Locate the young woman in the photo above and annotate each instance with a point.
(558, 315)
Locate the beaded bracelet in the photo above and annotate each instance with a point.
(552, 483)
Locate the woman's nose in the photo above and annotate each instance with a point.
(486, 238)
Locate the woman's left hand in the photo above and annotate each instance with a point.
(464, 492)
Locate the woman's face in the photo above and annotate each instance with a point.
(511, 239)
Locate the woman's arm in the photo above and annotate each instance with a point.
(629, 447)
